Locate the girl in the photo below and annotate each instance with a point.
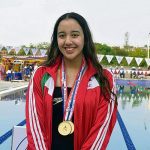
(71, 101)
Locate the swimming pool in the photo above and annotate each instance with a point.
(135, 112)
(133, 106)
(12, 111)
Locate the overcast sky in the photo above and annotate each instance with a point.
(32, 21)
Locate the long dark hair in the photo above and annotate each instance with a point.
(89, 50)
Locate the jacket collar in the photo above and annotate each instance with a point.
(91, 71)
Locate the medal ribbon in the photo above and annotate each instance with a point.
(69, 102)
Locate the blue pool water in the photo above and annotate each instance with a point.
(133, 106)
(12, 111)
(135, 112)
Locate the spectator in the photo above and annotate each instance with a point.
(122, 72)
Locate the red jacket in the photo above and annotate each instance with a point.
(94, 116)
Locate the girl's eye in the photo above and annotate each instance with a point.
(75, 35)
(61, 35)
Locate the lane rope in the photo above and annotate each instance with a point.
(5, 136)
(125, 133)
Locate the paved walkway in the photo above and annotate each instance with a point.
(6, 85)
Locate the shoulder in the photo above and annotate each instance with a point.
(39, 71)
(107, 73)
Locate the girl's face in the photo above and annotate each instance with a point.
(70, 39)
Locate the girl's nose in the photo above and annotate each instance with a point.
(68, 40)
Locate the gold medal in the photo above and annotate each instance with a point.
(64, 128)
(72, 126)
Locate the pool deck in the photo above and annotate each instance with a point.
(9, 85)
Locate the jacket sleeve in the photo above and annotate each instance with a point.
(103, 125)
(35, 115)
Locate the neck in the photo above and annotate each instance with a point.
(72, 68)
(72, 64)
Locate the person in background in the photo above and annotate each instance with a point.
(140, 73)
(116, 72)
(26, 72)
(122, 72)
(9, 74)
(133, 73)
(35, 66)
(71, 101)
(2, 71)
(31, 68)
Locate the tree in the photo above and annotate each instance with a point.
(103, 49)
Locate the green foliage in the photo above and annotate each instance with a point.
(143, 63)
(114, 62)
(137, 52)
(12, 53)
(133, 63)
(21, 52)
(43, 45)
(104, 61)
(117, 51)
(103, 49)
(124, 62)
